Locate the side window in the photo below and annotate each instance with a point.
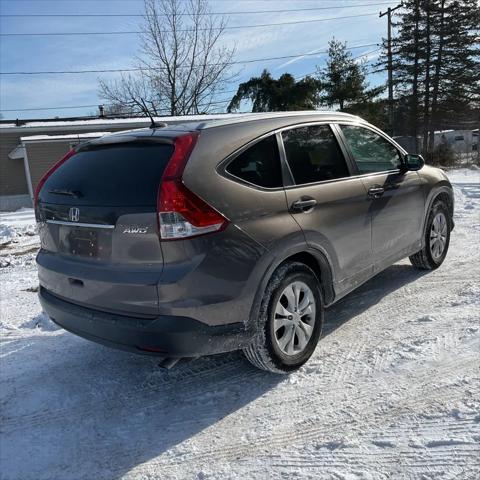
(314, 154)
(371, 152)
(259, 164)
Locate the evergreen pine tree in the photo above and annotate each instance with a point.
(344, 79)
(436, 67)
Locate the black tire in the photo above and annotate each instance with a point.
(424, 259)
(263, 352)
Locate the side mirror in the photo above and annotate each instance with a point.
(413, 162)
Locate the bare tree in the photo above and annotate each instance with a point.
(124, 94)
(182, 62)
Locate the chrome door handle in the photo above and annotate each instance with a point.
(376, 192)
(303, 204)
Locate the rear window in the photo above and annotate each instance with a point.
(127, 174)
(259, 164)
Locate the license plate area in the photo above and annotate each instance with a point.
(85, 242)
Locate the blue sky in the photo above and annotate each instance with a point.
(24, 53)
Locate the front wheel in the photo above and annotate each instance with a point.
(290, 320)
(437, 239)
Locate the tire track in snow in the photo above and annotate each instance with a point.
(414, 399)
(228, 368)
(189, 375)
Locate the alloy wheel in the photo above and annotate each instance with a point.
(294, 318)
(438, 235)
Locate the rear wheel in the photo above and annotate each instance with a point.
(437, 239)
(290, 320)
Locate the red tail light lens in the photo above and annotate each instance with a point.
(181, 213)
(49, 172)
(183, 148)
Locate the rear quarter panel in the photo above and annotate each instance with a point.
(260, 213)
(261, 231)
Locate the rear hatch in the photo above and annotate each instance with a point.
(98, 225)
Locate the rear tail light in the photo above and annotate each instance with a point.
(181, 213)
(49, 172)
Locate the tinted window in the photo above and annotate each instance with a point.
(259, 164)
(313, 154)
(371, 152)
(127, 174)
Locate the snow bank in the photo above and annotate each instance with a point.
(20, 218)
(18, 237)
(42, 322)
(8, 233)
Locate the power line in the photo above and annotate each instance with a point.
(211, 103)
(299, 77)
(240, 12)
(48, 108)
(136, 32)
(216, 102)
(95, 105)
(137, 1)
(138, 69)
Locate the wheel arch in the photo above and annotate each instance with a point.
(320, 266)
(445, 193)
(448, 199)
(314, 259)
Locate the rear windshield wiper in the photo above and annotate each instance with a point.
(70, 193)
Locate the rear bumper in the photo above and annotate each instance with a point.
(167, 336)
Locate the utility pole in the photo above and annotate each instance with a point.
(390, 64)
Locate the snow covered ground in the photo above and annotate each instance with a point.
(18, 237)
(393, 390)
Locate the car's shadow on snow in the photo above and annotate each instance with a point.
(74, 410)
(369, 294)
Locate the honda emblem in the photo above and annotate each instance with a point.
(74, 214)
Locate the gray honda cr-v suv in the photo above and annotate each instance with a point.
(234, 234)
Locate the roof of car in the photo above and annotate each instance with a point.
(250, 117)
(188, 126)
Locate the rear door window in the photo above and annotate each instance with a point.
(313, 154)
(371, 152)
(116, 175)
(259, 164)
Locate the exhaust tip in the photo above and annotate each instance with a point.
(168, 363)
